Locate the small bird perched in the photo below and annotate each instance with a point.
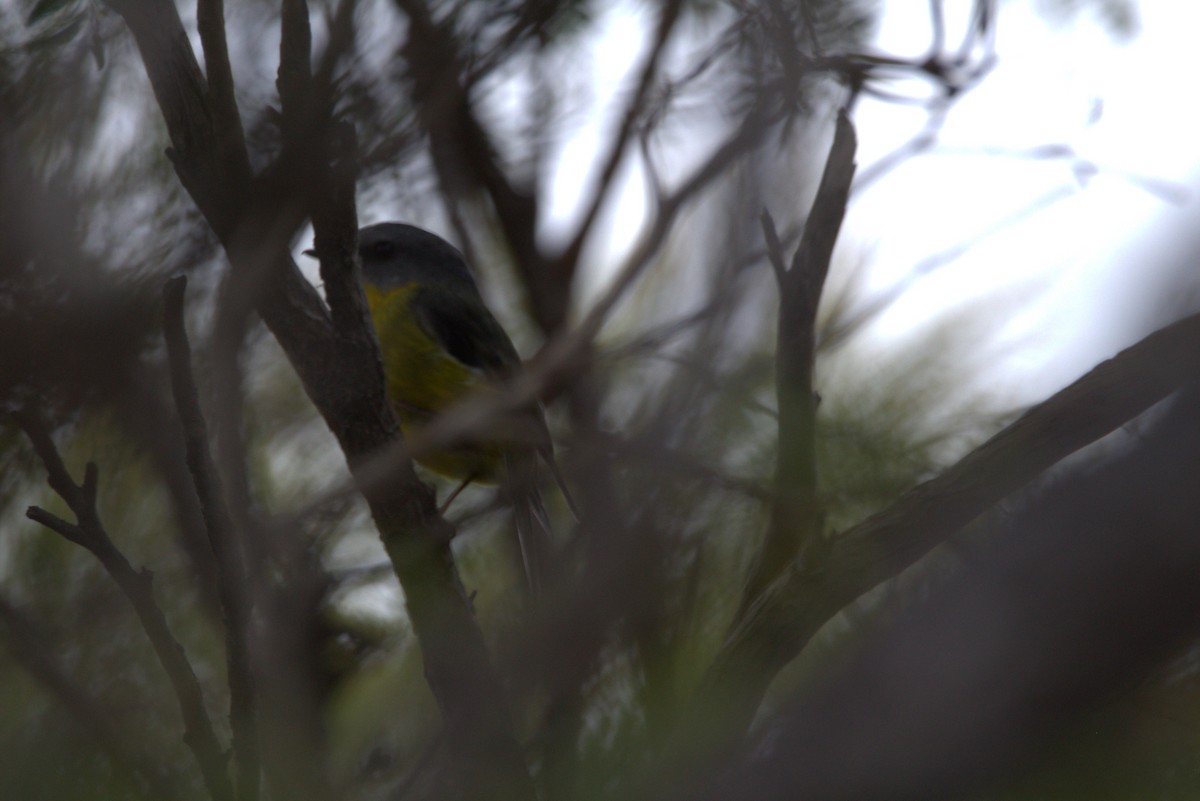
(440, 343)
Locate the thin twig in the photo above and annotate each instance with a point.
(567, 262)
(747, 135)
(222, 97)
(937, 20)
(774, 247)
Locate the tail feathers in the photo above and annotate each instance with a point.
(535, 538)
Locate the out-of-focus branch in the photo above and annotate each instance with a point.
(233, 582)
(294, 78)
(747, 135)
(207, 157)
(796, 515)
(565, 266)
(255, 223)
(855, 319)
(89, 533)
(148, 419)
(465, 158)
(222, 98)
(27, 644)
(783, 620)
(568, 355)
(1089, 587)
(774, 248)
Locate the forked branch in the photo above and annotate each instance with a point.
(138, 587)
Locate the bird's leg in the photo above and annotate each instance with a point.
(446, 505)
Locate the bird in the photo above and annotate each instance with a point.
(440, 344)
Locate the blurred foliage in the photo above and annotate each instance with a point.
(1119, 17)
(689, 431)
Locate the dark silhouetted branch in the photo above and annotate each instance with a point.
(1088, 588)
(796, 516)
(255, 224)
(566, 264)
(138, 588)
(233, 584)
(465, 157)
(774, 248)
(783, 620)
(222, 98)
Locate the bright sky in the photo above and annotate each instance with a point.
(1123, 106)
(1051, 275)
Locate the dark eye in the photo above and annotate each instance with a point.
(383, 248)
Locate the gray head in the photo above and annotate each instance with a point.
(395, 253)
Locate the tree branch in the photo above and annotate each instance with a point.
(565, 266)
(233, 581)
(222, 98)
(137, 586)
(1088, 587)
(205, 157)
(796, 515)
(465, 158)
(778, 626)
(346, 385)
(774, 248)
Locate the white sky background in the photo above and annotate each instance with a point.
(1051, 276)
(1083, 258)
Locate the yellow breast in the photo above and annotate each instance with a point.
(423, 379)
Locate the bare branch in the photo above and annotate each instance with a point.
(233, 582)
(1088, 589)
(937, 19)
(567, 263)
(748, 135)
(1108, 396)
(796, 516)
(774, 247)
(138, 589)
(222, 97)
(465, 158)
(206, 155)
(255, 224)
(294, 80)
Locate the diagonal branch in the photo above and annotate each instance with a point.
(137, 586)
(744, 138)
(1090, 587)
(1114, 392)
(567, 263)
